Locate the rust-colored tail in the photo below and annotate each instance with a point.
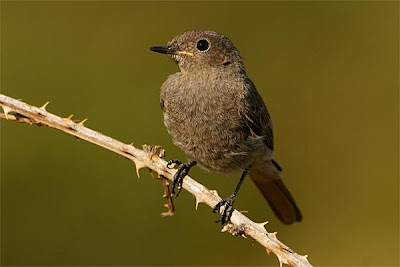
(270, 184)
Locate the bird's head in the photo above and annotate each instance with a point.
(198, 50)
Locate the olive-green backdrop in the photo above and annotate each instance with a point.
(328, 72)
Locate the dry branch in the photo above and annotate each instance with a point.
(150, 158)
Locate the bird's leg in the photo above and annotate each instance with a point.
(227, 203)
(183, 170)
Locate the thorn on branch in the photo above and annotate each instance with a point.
(138, 167)
(215, 193)
(6, 111)
(198, 201)
(272, 235)
(305, 257)
(82, 121)
(263, 224)
(69, 118)
(282, 260)
(44, 106)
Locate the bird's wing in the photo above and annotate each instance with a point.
(257, 116)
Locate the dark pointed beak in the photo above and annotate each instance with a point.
(163, 49)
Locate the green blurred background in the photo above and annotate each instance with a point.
(328, 72)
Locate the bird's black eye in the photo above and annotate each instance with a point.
(203, 45)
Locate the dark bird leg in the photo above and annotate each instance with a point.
(183, 170)
(228, 202)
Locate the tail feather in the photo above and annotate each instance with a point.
(269, 182)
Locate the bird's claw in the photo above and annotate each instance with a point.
(182, 171)
(227, 210)
(173, 161)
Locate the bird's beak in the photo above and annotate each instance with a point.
(169, 50)
(163, 49)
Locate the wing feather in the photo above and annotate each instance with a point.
(257, 116)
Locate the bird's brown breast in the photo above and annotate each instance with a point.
(205, 117)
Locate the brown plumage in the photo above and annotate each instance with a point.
(216, 116)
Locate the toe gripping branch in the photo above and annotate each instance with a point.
(183, 170)
(228, 209)
(228, 202)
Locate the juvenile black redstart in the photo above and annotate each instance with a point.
(216, 116)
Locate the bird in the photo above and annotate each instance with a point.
(215, 114)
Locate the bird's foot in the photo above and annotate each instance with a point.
(228, 209)
(183, 170)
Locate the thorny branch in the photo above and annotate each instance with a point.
(152, 158)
